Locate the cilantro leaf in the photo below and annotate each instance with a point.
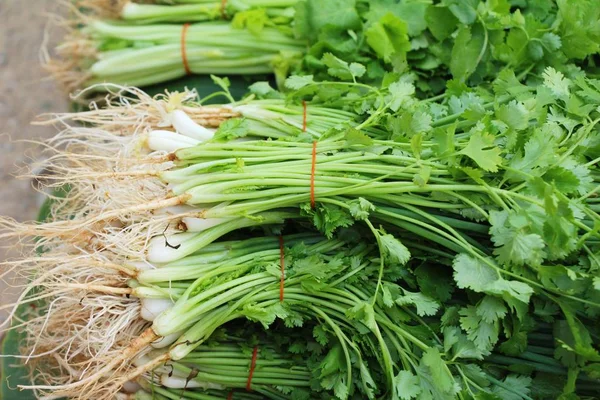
(363, 312)
(464, 10)
(557, 83)
(354, 137)
(514, 115)
(401, 95)
(261, 88)
(468, 46)
(406, 385)
(441, 22)
(296, 82)
(425, 305)
(340, 69)
(327, 218)
(515, 245)
(482, 150)
(473, 274)
(580, 27)
(388, 38)
(519, 387)
(439, 371)
(313, 15)
(360, 208)
(491, 309)
(456, 342)
(483, 334)
(393, 249)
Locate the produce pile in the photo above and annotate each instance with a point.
(405, 219)
(127, 42)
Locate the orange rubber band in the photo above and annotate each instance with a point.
(230, 395)
(312, 174)
(282, 264)
(223, 5)
(184, 59)
(303, 116)
(252, 367)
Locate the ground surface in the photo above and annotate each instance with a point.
(25, 91)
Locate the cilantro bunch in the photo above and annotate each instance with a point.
(468, 41)
(496, 186)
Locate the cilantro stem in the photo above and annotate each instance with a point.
(485, 42)
(342, 339)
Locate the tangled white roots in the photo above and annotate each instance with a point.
(81, 326)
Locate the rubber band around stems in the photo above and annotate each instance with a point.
(184, 59)
(230, 395)
(304, 116)
(282, 265)
(252, 367)
(223, 5)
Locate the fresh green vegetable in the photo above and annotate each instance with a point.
(459, 249)
(149, 54)
(470, 42)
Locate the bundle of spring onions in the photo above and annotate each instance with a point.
(141, 44)
(434, 249)
(105, 51)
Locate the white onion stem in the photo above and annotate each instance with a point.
(186, 126)
(160, 140)
(151, 308)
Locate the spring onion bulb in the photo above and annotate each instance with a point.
(151, 308)
(187, 127)
(161, 140)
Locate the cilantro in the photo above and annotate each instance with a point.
(354, 137)
(580, 27)
(465, 11)
(424, 304)
(491, 309)
(482, 333)
(360, 208)
(295, 82)
(441, 22)
(232, 128)
(406, 385)
(314, 15)
(393, 249)
(340, 69)
(514, 115)
(328, 218)
(441, 379)
(253, 20)
(482, 150)
(467, 50)
(388, 37)
(515, 387)
(474, 274)
(557, 83)
(260, 88)
(401, 95)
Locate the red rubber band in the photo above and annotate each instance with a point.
(223, 5)
(184, 59)
(303, 116)
(312, 174)
(252, 366)
(230, 395)
(282, 264)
